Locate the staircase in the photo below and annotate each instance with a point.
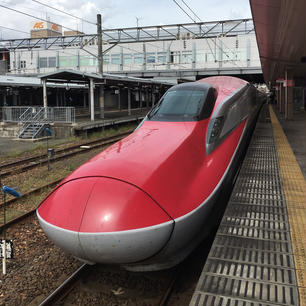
(32, 130)
(32, 123)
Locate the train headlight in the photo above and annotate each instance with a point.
(216, 129)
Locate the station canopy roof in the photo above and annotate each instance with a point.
(280, 33)
(73, 76)
(30, 82)
(76, 76)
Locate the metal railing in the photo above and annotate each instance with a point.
(27, 115)
(61, 114)
(23, 114)
(38, 119)
(12, 114)
(24, 119)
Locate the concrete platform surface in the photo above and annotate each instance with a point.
(257, 257)
(295, 131)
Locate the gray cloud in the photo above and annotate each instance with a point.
(118, 13)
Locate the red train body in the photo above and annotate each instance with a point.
(145, 201)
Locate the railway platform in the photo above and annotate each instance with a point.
(83, 126)
(258, 257)
(112, 118)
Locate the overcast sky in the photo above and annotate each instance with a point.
(115, 13)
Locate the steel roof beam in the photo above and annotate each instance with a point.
(129, 35)
(139, 34)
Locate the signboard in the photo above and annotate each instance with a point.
(9, 249)
(44, 25)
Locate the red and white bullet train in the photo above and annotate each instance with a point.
(145, 202)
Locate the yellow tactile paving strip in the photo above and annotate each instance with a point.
(294, 187)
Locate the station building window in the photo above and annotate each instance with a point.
(43, 62)
(127, 59)
(201, 57)
(162, 57)
(150, 57)
(106, 59)
(23, 64)
(186, 57)
(84, 60)
(72, 61)
(175, 57)
(115, 58)
(138, 58)
(52, 61)
(63, 61)
(92, 61)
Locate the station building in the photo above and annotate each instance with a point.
(165, 53)
(169, 53)
(172, 51)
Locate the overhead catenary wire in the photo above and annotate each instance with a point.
(32, 16)
(183, 10)
(53, 8)
(7, 28)
(178, 64)
(215, 43)
(192, 10)
(124, 47)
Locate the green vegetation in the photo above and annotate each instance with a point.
(12, 154)
(40, 176)
(41, 147)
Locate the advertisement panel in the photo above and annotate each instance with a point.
(44, 25)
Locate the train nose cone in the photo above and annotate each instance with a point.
(104, 220)
(60, 214)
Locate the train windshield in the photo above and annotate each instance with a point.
(180, 105)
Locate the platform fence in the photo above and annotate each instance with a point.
(16, 114)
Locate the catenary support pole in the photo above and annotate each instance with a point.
(129, 101)
(92, 99)
(100, 64)
(100, 53)
(45, 93)
(101, 101)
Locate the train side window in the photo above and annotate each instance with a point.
(209, 103)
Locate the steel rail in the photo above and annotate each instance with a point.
(33, 158)
(165, 298)
(65, 287)
(17, 219)
(31, 192)
(23, 216)
(41, 159)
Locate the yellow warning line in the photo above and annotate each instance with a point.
(294, 187)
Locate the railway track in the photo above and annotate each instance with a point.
(38, 160)
(64, 289)
(30, 212)
(61, 291)
(169, 289)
